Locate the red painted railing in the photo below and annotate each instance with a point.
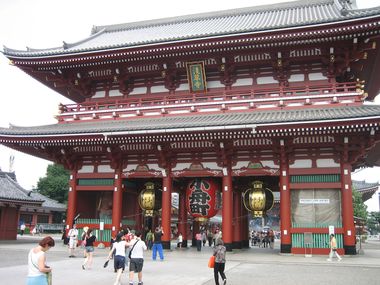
(162, 103)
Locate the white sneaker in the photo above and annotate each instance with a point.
(328, 259)
(225, 281)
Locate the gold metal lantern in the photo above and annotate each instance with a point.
(150, 199)
(258, 199)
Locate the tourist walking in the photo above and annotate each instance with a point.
(83, 240)
(180, 240)
(90, 239)
(333, 249)
(220, 261)
(209, 237)
(136, 261)
(73, 240)
(157, 245)
(149, 239)
(118, 253)
(37, 268)
(198, 241)
(22, 229)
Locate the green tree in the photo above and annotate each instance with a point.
(360, 209)
(55, 184)
(374, 222)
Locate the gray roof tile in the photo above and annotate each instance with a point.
(48, 203)
(11, 191)
(229, 22)
(177, 123)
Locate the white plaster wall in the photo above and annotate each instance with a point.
(105, 169)
(316, 76)
(184, 86)
(138, 90)
(296, 78)
(86, 169)
(243, 82)
(158, 89)
(114, 93)
(99, 94)
(326, 162)
(301, 163)
(266, 80)
(214, 84)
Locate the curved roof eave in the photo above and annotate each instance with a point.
(225, 121)
(75, 48)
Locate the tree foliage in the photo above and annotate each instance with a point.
(360, 209)
(55, 184)
(373, 222)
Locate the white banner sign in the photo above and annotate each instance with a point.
(314, 201)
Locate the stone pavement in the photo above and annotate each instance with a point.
(187, 266)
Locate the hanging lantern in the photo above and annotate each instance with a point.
(150, 199)
(257, 199)
(201, 198)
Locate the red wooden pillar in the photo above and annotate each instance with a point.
(347, 210)
(237, 236)
(182, 217)
(139, 216)
(166, 210)
(286, 237)
(244, 226)
(117, 200)
(227, 210)
(72, 199)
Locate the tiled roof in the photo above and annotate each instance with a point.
(48, 203)
(12, 192)
(362, 185)
(206, 25)
(180, 123)
(365, 189)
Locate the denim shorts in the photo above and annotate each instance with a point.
(89, 248)
(119, 262)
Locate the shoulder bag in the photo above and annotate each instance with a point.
(130, 252)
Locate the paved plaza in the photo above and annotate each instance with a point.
(187, 266)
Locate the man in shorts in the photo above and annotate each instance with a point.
(136, 261)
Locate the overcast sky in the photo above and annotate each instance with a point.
(47, 23)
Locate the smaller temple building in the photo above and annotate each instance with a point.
(18, 206)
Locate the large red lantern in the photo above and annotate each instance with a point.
(201, 198)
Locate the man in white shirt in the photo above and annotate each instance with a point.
(73, 240)
(136, 258)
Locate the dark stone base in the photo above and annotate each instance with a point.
(286, 248)
(245, 243)
(165, 244)
(228, 246)
(236, 245)
(350, 250)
